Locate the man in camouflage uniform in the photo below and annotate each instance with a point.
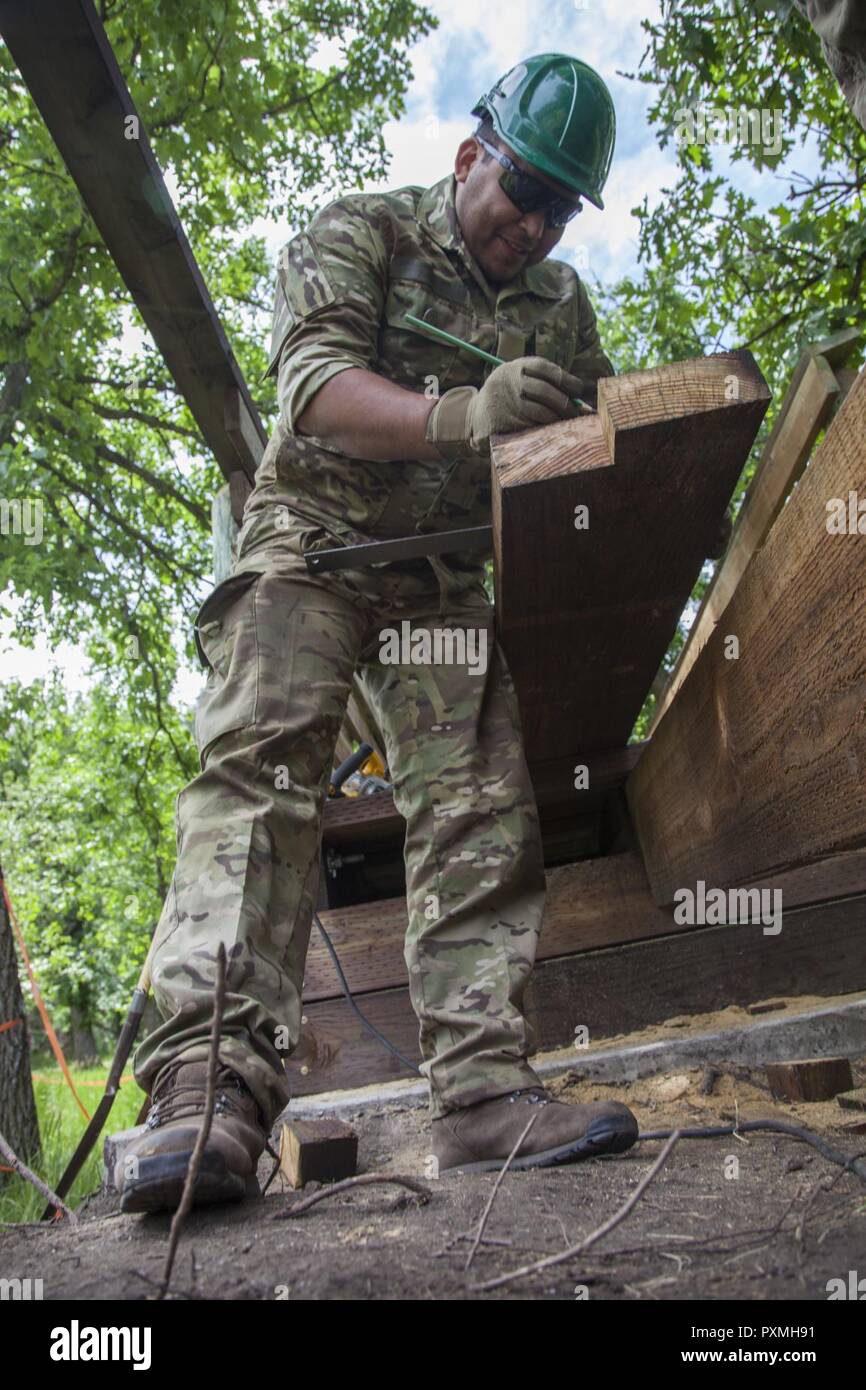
(383, 432)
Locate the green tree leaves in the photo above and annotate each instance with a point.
(251, 109)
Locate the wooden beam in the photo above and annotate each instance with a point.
(594, 903)
(354, 822)
(758, 765)
(836, 350)
(553, 779)
(615, 991)
(64, 56)
(782, 462)
(240, 488)
(586, 613)
(597, 902)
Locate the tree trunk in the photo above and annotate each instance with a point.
(84, 1049)
(18, 1119)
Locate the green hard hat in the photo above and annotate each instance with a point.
(556, 113)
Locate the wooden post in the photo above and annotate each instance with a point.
(758, 764)
(224, 529)
(815, 388)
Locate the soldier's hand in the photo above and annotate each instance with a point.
(517, 395)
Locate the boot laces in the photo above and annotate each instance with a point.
(532, 1094)
(187, 1101)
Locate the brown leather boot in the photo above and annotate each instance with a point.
(151, 1173)
(479, 1138)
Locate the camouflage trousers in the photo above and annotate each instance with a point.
(282, 647)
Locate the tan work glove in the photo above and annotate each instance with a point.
(517, 395)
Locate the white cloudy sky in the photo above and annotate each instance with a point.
(476, 41)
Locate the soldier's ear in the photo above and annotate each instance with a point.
(469, 153)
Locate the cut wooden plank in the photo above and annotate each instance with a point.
(615, 991)
(782, 463)
(758, 765)
(596, 903)
(853, 1099)
(323, 1150)
(586, 611)
(815, 1078)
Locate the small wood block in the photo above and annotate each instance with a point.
(853, 1100)
(318, 1151)
(766, 1006)
(814, 1079)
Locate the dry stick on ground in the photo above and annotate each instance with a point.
(364, 1180)
(210, 1099)
(500, 1175)
(23, 1171)
(595, 1235)
(696, 1242)
(464, 1235)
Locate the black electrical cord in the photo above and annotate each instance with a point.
(348, 993)
(855, 1161)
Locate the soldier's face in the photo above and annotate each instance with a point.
(502, 239)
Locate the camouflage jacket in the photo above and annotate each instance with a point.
(343, 289)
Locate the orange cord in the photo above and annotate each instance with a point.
(37, 999)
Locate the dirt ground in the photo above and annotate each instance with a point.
(786, 1224)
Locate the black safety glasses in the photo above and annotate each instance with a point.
(529, 194)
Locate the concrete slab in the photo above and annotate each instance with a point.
(836, 1029)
